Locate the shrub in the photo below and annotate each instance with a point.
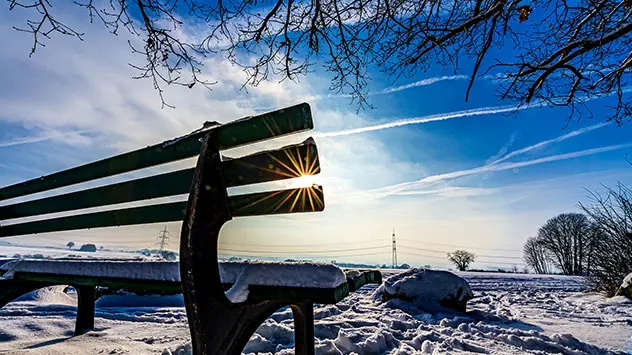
(612, 216)
(88, 247)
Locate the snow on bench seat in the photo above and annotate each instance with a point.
(240, 274)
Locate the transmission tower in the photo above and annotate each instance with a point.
(394, 256)
(163, 239)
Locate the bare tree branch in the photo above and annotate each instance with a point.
(560, 53)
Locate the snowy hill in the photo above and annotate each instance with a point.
(510, 314)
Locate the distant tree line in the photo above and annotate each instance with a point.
(565, 241)
(596, 244)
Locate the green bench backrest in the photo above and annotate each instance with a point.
(285, 163)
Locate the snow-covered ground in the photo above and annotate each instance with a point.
(510, 314)
(39, 252)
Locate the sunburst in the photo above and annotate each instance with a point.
(300, 168)
(298, 165)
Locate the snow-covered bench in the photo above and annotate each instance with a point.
(252, 281)
(217, 324)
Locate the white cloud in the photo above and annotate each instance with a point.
(76, 86)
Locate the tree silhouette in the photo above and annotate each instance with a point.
(537, 256)
(70, 245)
(587, 51)
(568, 237)
(461, 259)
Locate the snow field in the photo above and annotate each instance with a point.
(510, 314)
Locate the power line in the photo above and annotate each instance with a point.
(319, 256)
(478, 255)
(457, 246)
(423, 255)
(162, 241)
(298, 245)
(301, 251)
(439, 258)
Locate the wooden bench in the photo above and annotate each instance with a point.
(217, 325)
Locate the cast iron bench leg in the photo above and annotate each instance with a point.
(86, 296)
(303, 328)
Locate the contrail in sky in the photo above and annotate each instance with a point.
(550, 141)
(458, 114)
(392, 89)
(508, 166)
(426, 119)
(394, 189)
(423, 82)
(35, 139)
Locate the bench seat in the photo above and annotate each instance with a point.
(287, 282)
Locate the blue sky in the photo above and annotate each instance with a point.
(441, 171)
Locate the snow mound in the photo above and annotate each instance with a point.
(425, 290)
(49, 295)
(365, 340)
(183, 349)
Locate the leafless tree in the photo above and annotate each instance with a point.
(568, 238)
(547, 52)
(612, 216)
(537, 256)
(461, 259)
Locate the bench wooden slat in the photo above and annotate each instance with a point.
(258, 293)
(257, 128)
(256, 168)
(307, 199)
(133, 285)
(168, 184)
(273, 202)
(286, 163)
(167, 212)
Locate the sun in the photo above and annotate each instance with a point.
(304, 181)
